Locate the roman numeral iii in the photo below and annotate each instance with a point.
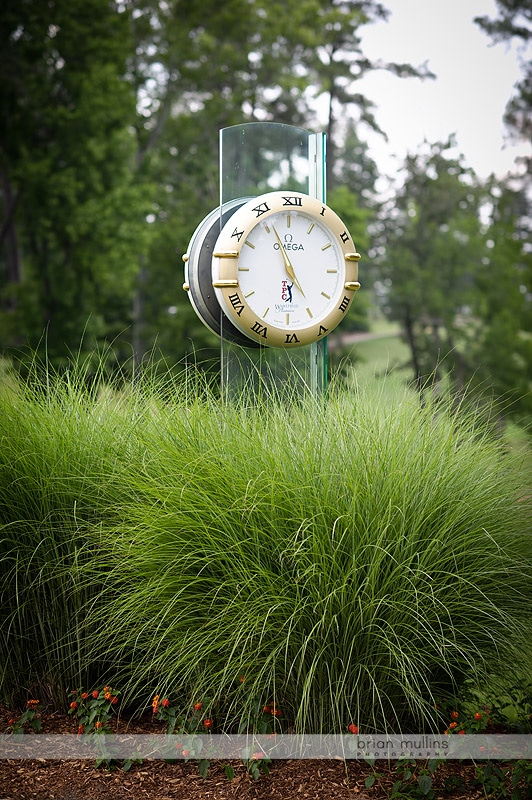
(344, 305)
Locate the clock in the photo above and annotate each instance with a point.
(284, 269)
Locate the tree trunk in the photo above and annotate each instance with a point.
(8, 236)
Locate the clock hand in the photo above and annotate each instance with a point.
(287, 263)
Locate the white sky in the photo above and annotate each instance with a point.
(474, 82)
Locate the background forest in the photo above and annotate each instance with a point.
(109, 120)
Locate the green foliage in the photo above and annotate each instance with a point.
(457, 286)
(353, 560)
(73, 216)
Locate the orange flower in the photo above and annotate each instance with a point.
(185, 753)
(454, 714)
(197, 706)
(107, 695)
(276, 712)
(352, 728)
(33, 703)
(453, 725)
(242, 678)
(11, 722)
(155, 704)
(106, 689)
(207, 723)
(257, 756)
(478, 716)
(98, 724)
(84, 695)
(73, 704)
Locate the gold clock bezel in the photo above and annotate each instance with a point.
(225, 263)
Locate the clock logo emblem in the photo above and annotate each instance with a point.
(286, 291)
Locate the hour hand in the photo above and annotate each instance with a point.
(287, 263)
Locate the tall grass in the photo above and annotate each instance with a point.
(355, 559)
(61, 447)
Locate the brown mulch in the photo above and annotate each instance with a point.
(159, 780)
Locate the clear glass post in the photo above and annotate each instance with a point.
(263, 157)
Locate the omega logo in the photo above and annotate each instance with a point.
(288, 243)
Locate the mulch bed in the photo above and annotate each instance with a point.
(159, 780)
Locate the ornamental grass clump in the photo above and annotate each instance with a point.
(356, 559)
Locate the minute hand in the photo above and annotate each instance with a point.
(287, 263)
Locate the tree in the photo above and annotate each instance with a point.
(457, 271)
(514, 21)
(501, 350)
(433, 254)
(72, 221)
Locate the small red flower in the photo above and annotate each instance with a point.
(454, 714)
(80, 729)
(185, 753)
(276, 712)
(478, 716)
(266, 710)
(11, 722)
(114, 700)
(207, 723)
(95, 694)
(242, 678)
(453, 725)
(197, 706)
(461, 732)
(353, 728)
(257, 756)
(165, 703)
(73, 705)
(84, 695)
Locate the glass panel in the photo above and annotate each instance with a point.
(263, 157)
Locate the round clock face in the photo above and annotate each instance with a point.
(285, 269)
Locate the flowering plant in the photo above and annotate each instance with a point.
(463, 723)
(198, 720)
(93, 710)
(29, 717)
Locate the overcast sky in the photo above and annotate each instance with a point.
(474, 82)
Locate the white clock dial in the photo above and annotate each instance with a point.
(290, 270)
(285, 269)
